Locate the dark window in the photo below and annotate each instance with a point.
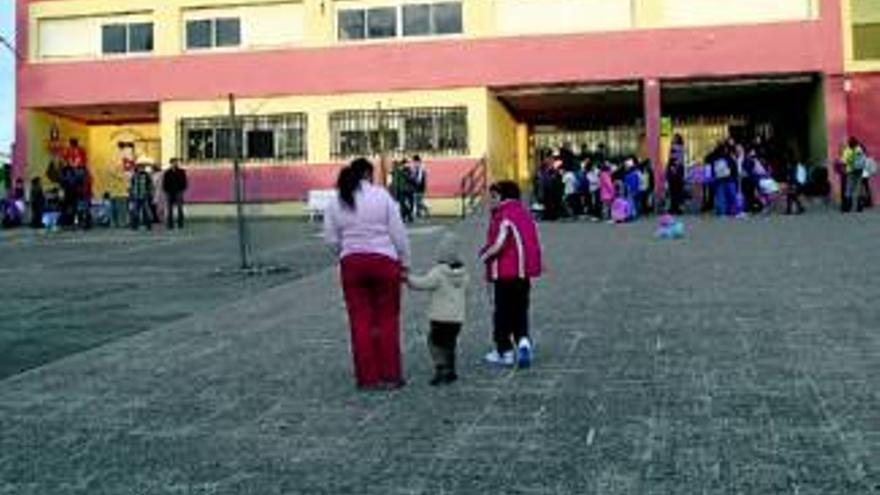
(199, 34)
(113, 38)
(200, 144)
(228, 32)
(866, 41)
(226, 143)
(140, 37)
(420, 132)
(260, 137)
(382, 22)
(292, 142)
(430, 131)
(447, 18)
(352, 25)
(416, 20)
(260, 144)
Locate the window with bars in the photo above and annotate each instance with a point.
(432, 131)
(279, 137)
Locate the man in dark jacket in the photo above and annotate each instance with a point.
(174, 184)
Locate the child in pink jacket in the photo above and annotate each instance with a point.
(512, 256)
(606, 191)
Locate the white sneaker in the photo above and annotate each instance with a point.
(494, 358)
(524, 353)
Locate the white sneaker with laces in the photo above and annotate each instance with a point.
(506, 359)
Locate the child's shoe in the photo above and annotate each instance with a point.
(524, 353)
(497, 359)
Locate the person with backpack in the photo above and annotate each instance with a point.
(854, 161)
(797, 179)
(512, 257)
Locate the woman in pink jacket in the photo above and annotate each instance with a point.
(512, 256)
(365, 228)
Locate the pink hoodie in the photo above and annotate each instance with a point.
(606, 187)
(513, 246)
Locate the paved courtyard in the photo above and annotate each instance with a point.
(742, 360)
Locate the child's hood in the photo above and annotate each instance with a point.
(456, 275)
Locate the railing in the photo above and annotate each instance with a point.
(474, 187)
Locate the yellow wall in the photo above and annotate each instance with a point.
(480, 17)
(39, 125)
(858, 12)
(99, 143)
(319, 108)
(502, 152)
(104, 159)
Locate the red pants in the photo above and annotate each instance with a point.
(371, 284)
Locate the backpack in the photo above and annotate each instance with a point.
(722, 169)
(870, 167)
(800, 174)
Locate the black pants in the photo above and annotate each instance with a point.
(442, 342)
(174, 201)
(511, 312)
(793, 198)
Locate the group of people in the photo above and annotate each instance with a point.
(146, 190)
(570, 186)
(366, 228)
(733, 179)
(68, 202)
(409, 183)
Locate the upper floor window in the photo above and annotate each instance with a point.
(121, 38)
(432, 19)
(392, 21)
(210, 33)
(426, 130)
(278, 137)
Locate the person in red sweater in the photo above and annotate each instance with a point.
(512, 256)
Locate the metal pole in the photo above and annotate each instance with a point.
(236, 167)
(383, 166)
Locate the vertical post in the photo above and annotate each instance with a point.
(652, 116)
(836, 122)
(236, 168)
(383, 166)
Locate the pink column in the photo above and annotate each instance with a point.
(836, 122)
(19, 149)
(652, 114)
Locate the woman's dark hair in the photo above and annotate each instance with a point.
(349, 180)
(506, 190)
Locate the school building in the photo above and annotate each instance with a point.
(317, 82)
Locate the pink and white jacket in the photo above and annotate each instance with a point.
(513, 246)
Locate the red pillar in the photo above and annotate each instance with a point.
(836, 122)
(652, 115)
(20, 147)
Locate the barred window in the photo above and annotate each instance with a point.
(279, 137)
(430, 131)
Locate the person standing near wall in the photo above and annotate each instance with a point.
(366, 229)
(174, 183)
(420, 182)
(140, 193)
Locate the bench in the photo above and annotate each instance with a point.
(317, 202)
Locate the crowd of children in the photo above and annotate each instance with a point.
(736, 178)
